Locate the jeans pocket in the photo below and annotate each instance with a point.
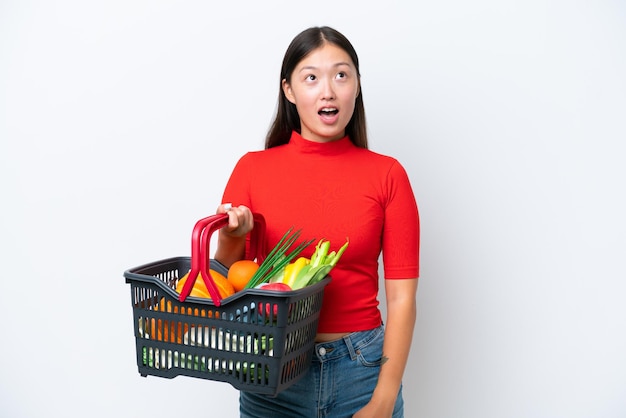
(371, 354)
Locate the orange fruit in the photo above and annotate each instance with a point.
(159, 327)
(240, 273)
(225, 288)
(163, 330)
(199, 287)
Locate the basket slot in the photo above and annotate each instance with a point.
(144, 298)
(170, 278)
(294, 368)
(256, 373)
(224, 339)
(154, 326)
(166, 360)
(300, 338)
(305, 308)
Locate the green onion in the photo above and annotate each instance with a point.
(277, 259)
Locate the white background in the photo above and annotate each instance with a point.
(121, 120)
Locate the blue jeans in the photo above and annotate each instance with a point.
(340, 381)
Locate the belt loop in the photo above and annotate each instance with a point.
(348, 341)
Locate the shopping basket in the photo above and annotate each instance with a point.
(257, 340)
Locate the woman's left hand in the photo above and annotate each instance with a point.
(372, 410)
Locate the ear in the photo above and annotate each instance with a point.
(288, 92)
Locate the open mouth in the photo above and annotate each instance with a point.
(328, 111)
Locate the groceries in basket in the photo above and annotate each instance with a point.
(278, 267)
(253, 325)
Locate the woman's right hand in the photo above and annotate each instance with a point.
(240, 220)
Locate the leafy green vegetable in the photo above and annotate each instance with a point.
(278, 258)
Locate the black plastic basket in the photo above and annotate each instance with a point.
(257, 340)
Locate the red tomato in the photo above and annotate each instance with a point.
(280, 287)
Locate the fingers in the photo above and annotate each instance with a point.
(240, 219)
(223, 208)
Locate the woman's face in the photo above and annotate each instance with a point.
(324, 87)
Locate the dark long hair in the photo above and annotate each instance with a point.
(287, 119)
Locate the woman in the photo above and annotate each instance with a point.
(318, 175)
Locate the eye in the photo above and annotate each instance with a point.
(310, 77)
(342, 75)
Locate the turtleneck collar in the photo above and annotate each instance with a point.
(321, 148)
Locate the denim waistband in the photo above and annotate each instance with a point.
(348, 345)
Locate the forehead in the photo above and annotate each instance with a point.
(327, 55)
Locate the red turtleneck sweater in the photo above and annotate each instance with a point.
(335, 191)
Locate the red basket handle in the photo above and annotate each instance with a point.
(200, 263)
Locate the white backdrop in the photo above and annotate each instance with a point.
(121, 120)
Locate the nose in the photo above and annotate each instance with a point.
(328, 92)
